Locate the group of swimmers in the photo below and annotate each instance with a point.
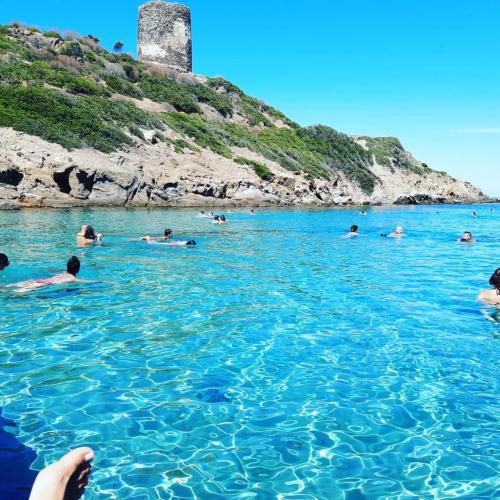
(71, 473)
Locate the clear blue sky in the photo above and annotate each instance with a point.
(426, 71)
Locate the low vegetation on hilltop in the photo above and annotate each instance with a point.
(69, 90)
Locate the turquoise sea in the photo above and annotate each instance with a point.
(274, 360)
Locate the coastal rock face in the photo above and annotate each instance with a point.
(36, 173)
(164, 35)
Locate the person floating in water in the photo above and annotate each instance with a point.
(363, 212)
(219, 219)
(492, 297)
(474, 214)
(466, 238)
(87, 236)
(66, 478)
(166, 239)
(353, 232)
(72, 269)
(397, 233)
(4, 261)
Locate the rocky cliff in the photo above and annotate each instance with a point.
(80, 126)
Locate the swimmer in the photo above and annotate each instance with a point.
(353, 232)
(4, 261)
(466, 238)
(492, 297)
(252, 212)
(72, 269)
(87, 236)
(474, 214)
(66, 478)
(219, 219)
(153, 241)
(397, 233)
(362, 212)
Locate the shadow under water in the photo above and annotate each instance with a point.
(16, 477)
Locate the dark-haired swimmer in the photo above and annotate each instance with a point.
(467, 238)
(72, 269)
(492, 297)
(153, 241)
(219, 219)
(87, 236)
(4, 261)
(353, 232)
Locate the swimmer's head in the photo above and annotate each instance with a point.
(73, 266)
(467, 236)
(495, 280)
(89, 233)
(168, 233)
(399, 230)
(354, 228)
(191, 243)
(4, 261)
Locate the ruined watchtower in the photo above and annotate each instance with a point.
(165, 35)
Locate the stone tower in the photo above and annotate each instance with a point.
(165, 35)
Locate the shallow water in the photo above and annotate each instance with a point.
(273, 359)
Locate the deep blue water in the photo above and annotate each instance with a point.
(274, 359)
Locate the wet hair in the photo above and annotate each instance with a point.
(354, 228)
(4, 261)
(191, 243)
(168, 232)
(495, 280)
(73, 266)
(90, 233)
(223, 217)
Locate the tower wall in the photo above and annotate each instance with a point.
(164, 35)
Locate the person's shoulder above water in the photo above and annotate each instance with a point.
(397, 233)
(4, 261)
(87, 236)
(352, 232)
(492, 297)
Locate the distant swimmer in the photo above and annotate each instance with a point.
(467, 238)
(353, 232)
(474, 214)
(397, 233)
(4, 261)
(219, 219)
(492, 297)
(72, 269)
(362, 212)
(166, 241)
(252, 212)
(87, 236)
(208, 215)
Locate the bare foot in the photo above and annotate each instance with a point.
(65, 479)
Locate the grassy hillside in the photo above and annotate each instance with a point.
(71, 91)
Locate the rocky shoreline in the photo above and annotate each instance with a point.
(36, 173)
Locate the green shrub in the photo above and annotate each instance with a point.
(261, 170)
(341, 152)
(219, 102)
(72, 48)
(227, 86)
(52, 34)
(252, 110)
(72, 121)
(33, 29)
(161, 89)
(122, 86)
(135, 130)
(206, 134)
